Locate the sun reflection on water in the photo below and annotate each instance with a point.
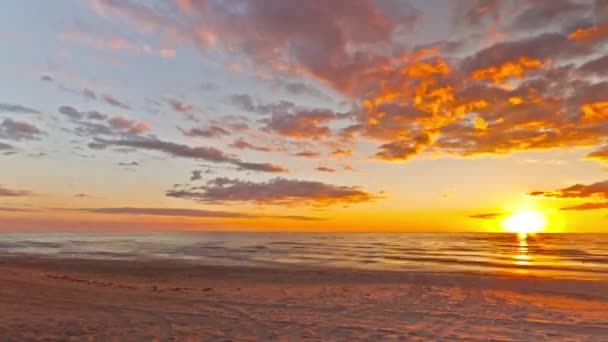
(523, 257)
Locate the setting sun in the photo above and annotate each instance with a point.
(525, 222)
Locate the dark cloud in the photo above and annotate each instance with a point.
(325, 169)
(46, 78)
(179, 106)
(18, 130)
(109, 99)
(600, 154)
(301, 124)
(184, 151)
(542, 47)
(247, 103)
(71, 112)
(478, 12)
(403, 149)
(17, 108)
(74, 114)
(300, 88)
(277, 191)
(307, 154)
(88, 93)
(206, 132)
(6, 147)
(587, 206)
(261, 167)
(195, 213)
(196, 175)
(244, 102)
(595, 190)
(131, 164)
(543, 14)
(17, 210)
(244, 145)
(93, 123)
(5, 192)
(596, 67)
(487, 216)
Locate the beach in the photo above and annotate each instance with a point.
(69, 299)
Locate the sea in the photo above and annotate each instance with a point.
(568, 256)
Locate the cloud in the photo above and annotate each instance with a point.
(168, 53)
(17, 108)
(17, 210)
(5, 192)
(88, 93)
(93, 123)
(322, 50)
(109, 99)
(6, 147)
(600, 154)
(244, 102)
(248, 104)
(206, 132)
(184, 151)
(131, 164)
(587, 206)
(277, 191)
(301, 88)
(340, 151)
(262, 167)
(131, 127)
(596, 67)
(595, 190)
(46, 78)
(302, 124)
(74, 114)
(193, 213)
(325, 169)
(307, 154)
(18, 130)
(196, 175)
(244, 145)
(542, 14)
(403, 149)
(487, 216)
(510, 82)
(179, 106)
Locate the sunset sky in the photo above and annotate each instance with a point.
(374, 115)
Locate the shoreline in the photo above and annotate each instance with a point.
(181, 300)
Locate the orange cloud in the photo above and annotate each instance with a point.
(595, 190)
(596, 111)
(591, 33)
(339, 151)
(498, 74)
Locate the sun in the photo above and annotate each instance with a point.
(525, 222)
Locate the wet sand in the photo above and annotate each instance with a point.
(104, 300)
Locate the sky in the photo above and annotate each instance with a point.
(345, 115)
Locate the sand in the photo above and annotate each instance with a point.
(85, 300)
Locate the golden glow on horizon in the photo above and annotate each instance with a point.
(525, 222)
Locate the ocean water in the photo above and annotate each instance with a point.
(570, 256)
